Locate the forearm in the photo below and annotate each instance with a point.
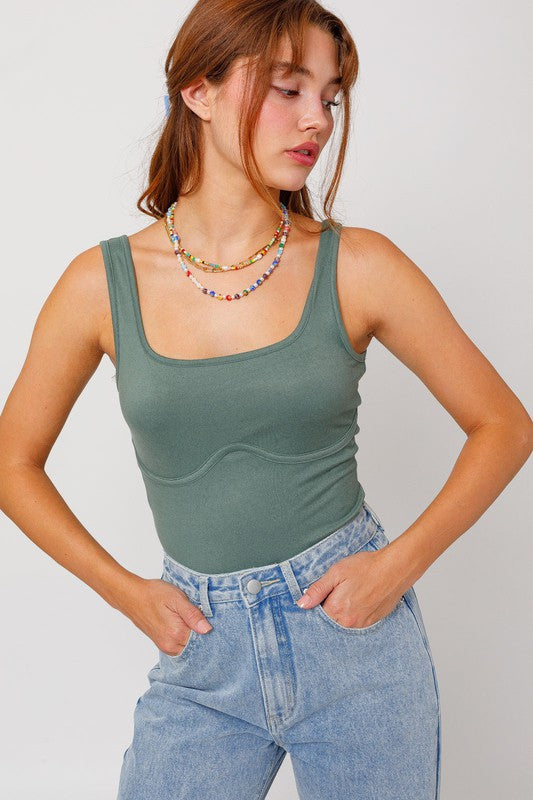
(489, 459)
(30, 499)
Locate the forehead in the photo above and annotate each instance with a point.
(284, 68)
(319, 57)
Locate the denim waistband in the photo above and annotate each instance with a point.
(251, 586)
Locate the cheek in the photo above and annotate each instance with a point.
(275, 123)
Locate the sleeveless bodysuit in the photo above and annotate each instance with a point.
(247, 458)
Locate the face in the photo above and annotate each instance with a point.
(298, 108)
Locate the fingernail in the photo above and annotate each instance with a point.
(304, 601)
(204, 626)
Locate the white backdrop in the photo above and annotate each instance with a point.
(441, 162)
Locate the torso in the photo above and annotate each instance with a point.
(181, 322)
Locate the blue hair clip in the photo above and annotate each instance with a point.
(167, 106)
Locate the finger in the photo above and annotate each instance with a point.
(193, 617)
(191, 614)
(317, 591)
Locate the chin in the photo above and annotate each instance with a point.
(286, 183)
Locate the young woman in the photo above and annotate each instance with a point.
(285, 619)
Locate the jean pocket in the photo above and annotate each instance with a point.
(185, 650)
(193, 635)
(378, 541)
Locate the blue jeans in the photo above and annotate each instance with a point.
(357, 709)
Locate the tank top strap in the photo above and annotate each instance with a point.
(120, 296)
(324, 316)
(327, 325)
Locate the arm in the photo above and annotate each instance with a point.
(64, 352)
(412, 320)
(409, 317)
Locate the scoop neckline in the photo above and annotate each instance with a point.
(213, 360)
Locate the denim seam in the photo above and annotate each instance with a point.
(281, 632)
(191, 641)
(358, 631)
(264, 694)
(437, 697)
(271, 774)
(196, 600)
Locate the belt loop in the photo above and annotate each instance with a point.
(294, 586)
(204, 596)
(374, 515)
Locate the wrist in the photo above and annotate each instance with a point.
(118, 586)
(403, 561)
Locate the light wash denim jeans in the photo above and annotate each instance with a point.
(357, 709)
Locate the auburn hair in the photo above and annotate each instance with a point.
(214, 34)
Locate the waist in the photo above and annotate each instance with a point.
(270, 579)
(247, 512)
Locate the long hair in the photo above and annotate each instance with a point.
(215, 34)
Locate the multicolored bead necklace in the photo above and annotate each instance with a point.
(174, 238)
(209, 265)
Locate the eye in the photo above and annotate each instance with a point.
(286, 92)
(291, 92)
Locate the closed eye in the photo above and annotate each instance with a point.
(291, 92)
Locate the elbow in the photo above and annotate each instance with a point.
(523, 431)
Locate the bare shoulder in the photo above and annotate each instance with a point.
(82, 292)
(382, 273)
(360, 252)
(74, 313)
(409, 316)
(64, 352)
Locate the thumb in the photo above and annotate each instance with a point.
(317, 591)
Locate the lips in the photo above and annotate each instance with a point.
(312, 147)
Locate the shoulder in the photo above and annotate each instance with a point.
(84, 277)
(382, 272)
(365, 244)
(80, 295)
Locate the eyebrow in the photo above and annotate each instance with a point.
(279, 66)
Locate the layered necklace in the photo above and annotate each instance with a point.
(285, 224)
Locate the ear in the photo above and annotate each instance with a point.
(198, 97)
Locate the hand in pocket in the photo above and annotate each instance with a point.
(357, 591)
(166, 615)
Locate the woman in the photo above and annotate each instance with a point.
(285, 619)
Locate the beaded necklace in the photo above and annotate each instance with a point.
(174, 238)
(211, 266)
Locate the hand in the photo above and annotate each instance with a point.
(359, 590)
(164, 613)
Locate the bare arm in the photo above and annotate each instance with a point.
(414, 323)
(412, 320)
(64, 353)
(409, 317)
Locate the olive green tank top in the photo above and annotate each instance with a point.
(247, 458)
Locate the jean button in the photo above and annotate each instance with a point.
(253, 586)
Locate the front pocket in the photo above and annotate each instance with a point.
(193, 635)
(377, 542)
(185, 649)
(325, 616)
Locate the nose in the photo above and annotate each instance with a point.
(315, 117)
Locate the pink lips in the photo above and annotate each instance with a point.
(311, 146)
(301, 158)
